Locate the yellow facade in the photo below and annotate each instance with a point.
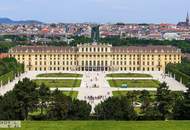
(96, 57)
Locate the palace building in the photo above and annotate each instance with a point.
(96, 57)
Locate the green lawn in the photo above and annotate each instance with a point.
(123, 93)
(127, 75)
(72, 94)
(104, 125)
(59, 83)
(119, 93)
(135, 83)
(59, 75)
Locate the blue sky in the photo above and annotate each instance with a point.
(100, 11)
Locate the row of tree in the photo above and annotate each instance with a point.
(27, 98)
(181, 71)
(10, 64)
(115, 41)
(165, 105)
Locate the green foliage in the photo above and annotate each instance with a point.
(59, 106)
(16, 104)
(182, 106)
(81, 39)
(79, 110)
(181, 71)
(5, 46)
(145, 100)
(27, 95)
(9, 107)
(9, 68)
(44, 97)
(116, 108)
(164, 100)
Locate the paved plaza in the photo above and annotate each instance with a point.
(94, 86)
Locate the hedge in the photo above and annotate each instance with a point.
(178, 74)
(7, 77)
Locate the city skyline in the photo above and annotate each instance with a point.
(96, 11)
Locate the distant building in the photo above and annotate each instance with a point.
(171, 36)
(186, 23)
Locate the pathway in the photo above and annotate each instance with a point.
(94, 88)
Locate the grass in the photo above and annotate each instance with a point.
(59, 75)
(72, 94)
(125, 75)
(59, 83)
(123, 93)
(104, 125)
(135, 83)
(119, 93)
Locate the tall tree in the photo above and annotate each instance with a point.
(145, 100)
(59, 106)
(9, 107)
(164, 100)
(44, 96)
(27, 95)
(182, 106)
(79, 110)
(116, 108)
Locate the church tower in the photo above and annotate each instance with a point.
(187, 19)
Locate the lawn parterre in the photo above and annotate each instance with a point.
(59, 75)
(128, 75)
(124, 93)
(135, 83)
(106, 125)
(59, 83)
(72, 94)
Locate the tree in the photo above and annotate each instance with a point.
(182, 106)
(164, 100)
(44, 95)
(132, 96)
(9, 107)
(145, 99)
(115, 108)
(152, 113)
(59, 106)
(79, 110)
(27, 96)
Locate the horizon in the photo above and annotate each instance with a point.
(96, 11)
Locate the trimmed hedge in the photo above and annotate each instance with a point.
(171, 68)
(11, 69)
(7, 77)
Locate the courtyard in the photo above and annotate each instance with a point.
(95, 87)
